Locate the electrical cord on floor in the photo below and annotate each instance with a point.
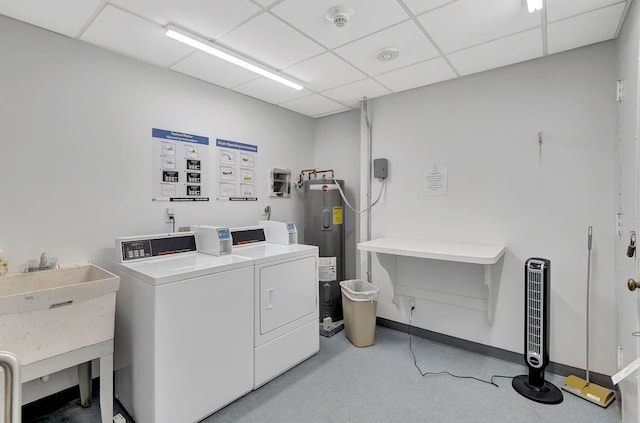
(444, 372)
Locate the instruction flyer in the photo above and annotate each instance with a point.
(180, 170)
(436, 181)
(237, 170)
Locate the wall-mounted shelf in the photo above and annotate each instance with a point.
(482, 254)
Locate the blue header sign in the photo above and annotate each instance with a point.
(179, 136)
(236, 145)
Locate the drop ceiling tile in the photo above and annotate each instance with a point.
(368, 16)
(589, 28)
(48, 14)
(314, 105)
(561, 9)
(324, 72)
(134, 37)
(420, 6)
(505, 51)
(413, 45)
(330, 113)
(265, 3)
(209, 19)
(270, 41)
(352, 94)
(466, 23)
(211, 69)
(270, 91)
(418, 75)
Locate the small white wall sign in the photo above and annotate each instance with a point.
(436, 181)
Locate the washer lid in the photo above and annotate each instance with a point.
(172, 269)
(269, 252)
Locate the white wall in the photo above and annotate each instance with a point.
(75, 162)
(506, 189)
(336, 146)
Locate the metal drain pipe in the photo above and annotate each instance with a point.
(12, 387)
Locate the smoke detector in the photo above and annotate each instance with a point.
(339, 15)
(387, 54)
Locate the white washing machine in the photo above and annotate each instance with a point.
(184, 328)
(286, 301)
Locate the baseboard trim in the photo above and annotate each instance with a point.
(499, 353)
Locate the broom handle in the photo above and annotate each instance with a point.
(589, 242)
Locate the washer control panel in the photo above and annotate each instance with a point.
(146, 247)
(136, 249)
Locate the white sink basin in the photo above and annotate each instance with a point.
(47, 313)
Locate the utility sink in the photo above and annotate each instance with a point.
(48, 313)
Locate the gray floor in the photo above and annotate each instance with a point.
(343, 383)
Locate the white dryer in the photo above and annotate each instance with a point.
(184, 328)
(286, 301)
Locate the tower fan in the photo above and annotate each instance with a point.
(536, 335)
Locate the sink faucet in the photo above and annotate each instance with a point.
(43, 265)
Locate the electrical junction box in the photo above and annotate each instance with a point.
(380, 168)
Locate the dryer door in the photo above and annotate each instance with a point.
(288, 292)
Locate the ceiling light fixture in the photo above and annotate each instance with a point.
(206, 46)
(534, 5)
(387, 54)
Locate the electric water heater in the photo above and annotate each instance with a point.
(324, 228)
(536, 334)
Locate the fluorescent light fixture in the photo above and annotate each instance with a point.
(534, 5)
(206, 46)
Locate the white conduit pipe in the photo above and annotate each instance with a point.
(365, 105)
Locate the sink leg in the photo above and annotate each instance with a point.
(106, 388)
(84, 376)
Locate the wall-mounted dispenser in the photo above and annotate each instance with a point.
(280, 183)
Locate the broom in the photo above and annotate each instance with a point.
(578, 386)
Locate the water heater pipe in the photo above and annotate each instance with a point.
(315, 173)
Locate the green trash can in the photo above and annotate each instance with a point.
(359, 304)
